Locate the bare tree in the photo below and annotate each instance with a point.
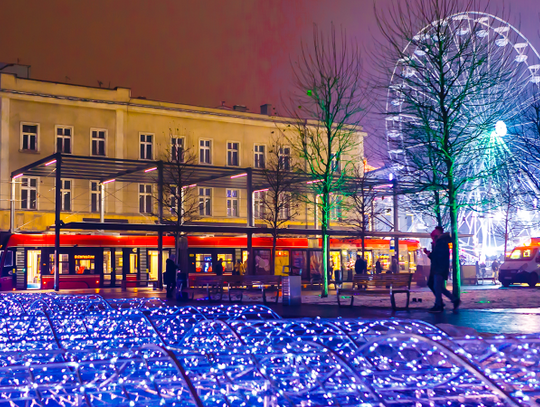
(180, 199)
(364, 208)
(328, 105)
(446, 91)
(277, 204)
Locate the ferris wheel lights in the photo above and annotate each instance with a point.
(500, 128)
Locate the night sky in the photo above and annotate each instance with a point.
(198, 52)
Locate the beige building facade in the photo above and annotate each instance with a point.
(41, 118)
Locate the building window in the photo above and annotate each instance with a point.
(146, 150)
(232, 203)
(174, 200)
(98, 142)
(177, 149)
(336, 207)
(205, 152)
(284, 205)
(63, 139)
(205, 201)
(29, 137)
(258, 204)
(259, 156)
(95, 197)
(65, 191)
(29, 193)
(145, 198)
(232, 154)
(336, 164)
(285, 158)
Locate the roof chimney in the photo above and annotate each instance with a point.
(240, 108)
(266, 109)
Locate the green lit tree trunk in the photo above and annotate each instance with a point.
(325, 215)
(454, 212)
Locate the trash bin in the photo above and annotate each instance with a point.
(292, 290)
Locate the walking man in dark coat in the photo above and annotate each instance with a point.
(170, 276)
(440, 269)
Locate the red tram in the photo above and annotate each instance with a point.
(93, 261)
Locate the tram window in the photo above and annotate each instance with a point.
(85, 264)
(262, 262)
(228, 264)
(9, 258)
(203, 263)
(63, 264)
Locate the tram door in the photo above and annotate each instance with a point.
(153, 257)
(107, 268)
(33, 262)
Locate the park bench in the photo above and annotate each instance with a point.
(377, 285)
(238, 285)
(139, 283)
(211, 286)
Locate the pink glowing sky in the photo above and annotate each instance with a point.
(198, 52)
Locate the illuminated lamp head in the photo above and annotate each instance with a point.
(500, 128)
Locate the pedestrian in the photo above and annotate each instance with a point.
(495, 268)
(219, 267)
(170, 276)
(394, 265)
(360, 266)
(440, 269)
(238, 268)
(378, 266)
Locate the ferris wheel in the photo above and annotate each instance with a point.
(503, 47)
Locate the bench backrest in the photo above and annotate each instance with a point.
(202, 280)
(252, 280)
(399, 280)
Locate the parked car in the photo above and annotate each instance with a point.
(522, 266)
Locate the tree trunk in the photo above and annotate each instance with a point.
(438, 208)
(273, 258)
(325, 243)
(456, 275)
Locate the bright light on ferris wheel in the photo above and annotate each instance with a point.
(500, 128)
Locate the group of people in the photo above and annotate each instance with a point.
(440, 269)
(360, 266)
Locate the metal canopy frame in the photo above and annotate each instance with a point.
(107, 170)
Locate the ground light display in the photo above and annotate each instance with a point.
(63, 350)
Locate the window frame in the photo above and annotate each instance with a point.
(211, 153)
(146, 143)
(173, 148)
(98, 193)
(232, 199)
(56, 136)
(258, 204)
(105, 143)
(69, 191)
(146, 194)
(38, 129)
(282, 215)
(232, 152)
(29, 189)
(204, 197)
(280, 155)
(255, 153)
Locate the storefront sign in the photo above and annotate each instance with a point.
(84, 257)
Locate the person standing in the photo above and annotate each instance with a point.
(495, 268)
(219, 267)
(238, 268)
(170, 276)
(440, 269)
(360, 266)
(378, 266)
